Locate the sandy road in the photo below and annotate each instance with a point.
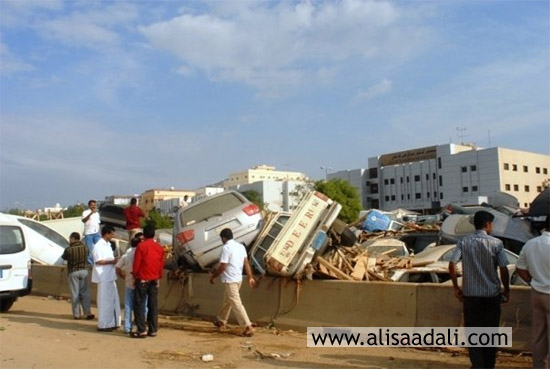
(39, 332)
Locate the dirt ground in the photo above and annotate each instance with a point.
(39, 332)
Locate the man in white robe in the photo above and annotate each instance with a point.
(104, 274)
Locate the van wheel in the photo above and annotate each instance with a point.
(6, 304)
(347, 236)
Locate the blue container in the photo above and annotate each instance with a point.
(376, 221)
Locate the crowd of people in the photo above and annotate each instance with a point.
(141, 268)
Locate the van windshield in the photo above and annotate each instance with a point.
(11, 240)
(215, 206)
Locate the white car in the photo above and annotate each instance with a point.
(438, 257)
(46, 245)
(15, 263)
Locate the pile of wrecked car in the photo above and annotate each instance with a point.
(312, 242)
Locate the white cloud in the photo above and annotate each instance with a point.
(285, 45)
(10, 64)
(382, 88)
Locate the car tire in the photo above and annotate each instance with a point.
(6, 303)
(347, 236)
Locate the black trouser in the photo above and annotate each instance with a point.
(146, 291)
(482, 312)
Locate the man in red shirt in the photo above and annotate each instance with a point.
(133, 213)
(147, 270)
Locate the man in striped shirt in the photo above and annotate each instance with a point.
(481, 291)
(77, 267)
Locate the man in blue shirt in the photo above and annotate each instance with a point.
(481, 292)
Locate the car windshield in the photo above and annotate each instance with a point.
(11, 240)
(46, 232)
(204, 210)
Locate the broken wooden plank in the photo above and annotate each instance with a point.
(329, 266)
(360, 269)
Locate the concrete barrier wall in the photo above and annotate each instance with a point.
(297, 305)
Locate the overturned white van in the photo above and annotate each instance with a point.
(288, 242)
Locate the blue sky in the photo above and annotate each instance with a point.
(103, 98)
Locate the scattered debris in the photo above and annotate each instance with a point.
(207, 357)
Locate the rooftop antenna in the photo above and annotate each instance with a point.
(461, 134)
(489, 134)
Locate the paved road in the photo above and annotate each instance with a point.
(39, 332)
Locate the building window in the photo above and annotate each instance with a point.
(385, 181)
(392, 197)
(544, 170)
(439, 163)
(473, 168)
(374, 188)
(427, 176)
(440, 181)
(402, 197)
(514, 167)
(516, 188)
(392, 180)
(507, 187)
(401, 179)
(463, 169)
(417, 178)
(537, 170)
(474, 188)
(435, 195)
(418, 195)
(539, 188)
(433, 175)
(526, 188)
(506, 166)
(407, 179)
(464, 189)
(373, 172)
(525, 169)
(408, 196)
(441, 195)
(428, 195)
(387, 198)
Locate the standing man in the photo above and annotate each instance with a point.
(232, 261)
(104, 274)
(481, 293)
(133, 214)
(91, 221)
(148, 265)
(533, 266)
(77, 267)
(185, 202)
(124, 270)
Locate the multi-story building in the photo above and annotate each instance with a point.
(262, 173)
(430, 177)
(276, 195)
(150, 198)
(357, 178)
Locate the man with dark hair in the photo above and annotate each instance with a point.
(104, 274)
(481, 292)
(91, 221)
(77, 268)
(232, 260)
(124, 270)
(133, 213)
(147, 269)
(533, 266)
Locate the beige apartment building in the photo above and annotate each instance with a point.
(150, 198)
(262, 173)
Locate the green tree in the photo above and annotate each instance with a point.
(342, 192)
(158, 220)
(254, 197)
(74, 211)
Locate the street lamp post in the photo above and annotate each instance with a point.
(326, 168)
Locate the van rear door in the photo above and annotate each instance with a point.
(14, 260)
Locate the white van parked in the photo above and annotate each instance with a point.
(15, 263)
(45, 245)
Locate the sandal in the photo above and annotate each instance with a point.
(218, 324)
(138, 335)
(248, 332)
